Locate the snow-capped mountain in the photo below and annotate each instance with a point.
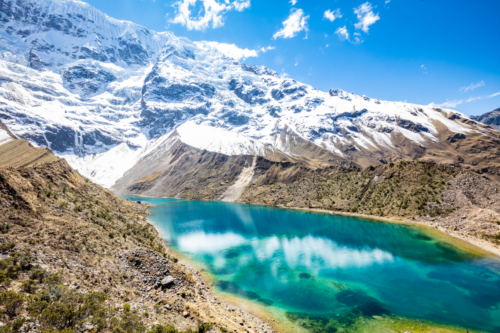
(105, 94)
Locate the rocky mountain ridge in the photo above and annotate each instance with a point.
(491, 118)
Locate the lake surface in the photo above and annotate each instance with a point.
(327, 270)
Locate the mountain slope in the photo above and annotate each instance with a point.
(490, 118)
(78, 258)
(109, 95)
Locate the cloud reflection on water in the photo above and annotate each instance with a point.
(206, 243)
(311, 252)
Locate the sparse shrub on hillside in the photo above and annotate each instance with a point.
(128, 322)
(12, 302)
(29, 286)
(54, 279)
(204, 327)
(39, 274)
(7, 247)
(17, 324)
(162, 329)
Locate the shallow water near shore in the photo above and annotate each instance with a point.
(332, 273)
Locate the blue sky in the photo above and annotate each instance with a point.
(445, 52)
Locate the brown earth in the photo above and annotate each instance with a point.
(20, 153)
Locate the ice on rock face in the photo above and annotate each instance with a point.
(98, 90)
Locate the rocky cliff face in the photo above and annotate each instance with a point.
(105, 94)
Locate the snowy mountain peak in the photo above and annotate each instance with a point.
(99, 90)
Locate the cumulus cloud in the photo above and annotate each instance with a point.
(342, 33)
(293, 2)
(332, 15)
(212, 14)
(366, 17)
(233, 51)
(472, 86)
(294, 24)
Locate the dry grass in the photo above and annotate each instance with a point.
(20, 153)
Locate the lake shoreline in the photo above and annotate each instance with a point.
(481, 244)
(240, 308)
(245, 308)
(484, 246)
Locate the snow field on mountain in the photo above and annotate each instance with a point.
(105, 168)
(4, 137)
(218, 140)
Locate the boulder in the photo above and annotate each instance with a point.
(87, 326)
(167, 282)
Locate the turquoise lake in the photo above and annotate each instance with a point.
(331, 267)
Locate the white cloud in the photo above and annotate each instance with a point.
(329, 15)
(472, 86)
(293, 2)
(366, 17)
(241, 5)
(342, 33)
(265, 49)
(233, 51)
(454, 103)
(387, 1)
(294, 24)
(424, 68)
(213, 11)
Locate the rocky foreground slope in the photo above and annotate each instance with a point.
(109, 95)
(77, 258)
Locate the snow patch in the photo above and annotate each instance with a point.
(218, 140)
(105, 168)
(4, 137)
